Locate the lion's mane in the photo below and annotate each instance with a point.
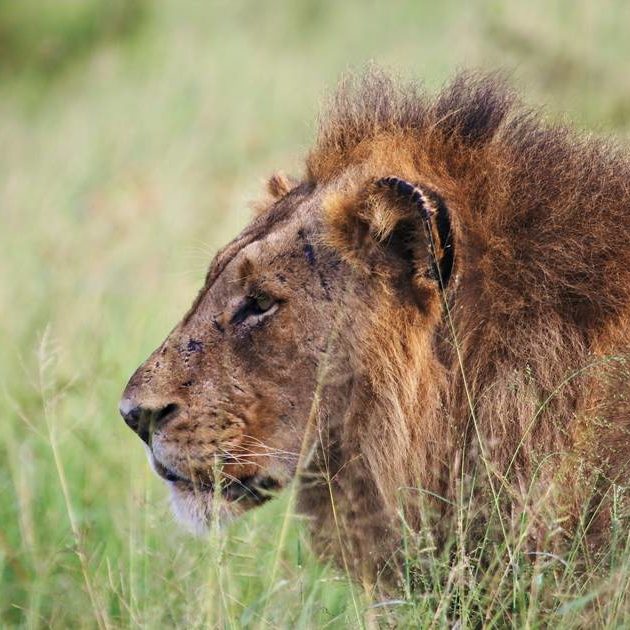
(520, 393)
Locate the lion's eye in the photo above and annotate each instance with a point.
(253, 305)
(263, 302)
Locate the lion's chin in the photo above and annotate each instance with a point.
(196, 510)
(197, 505)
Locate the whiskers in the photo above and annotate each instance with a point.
(244, 454)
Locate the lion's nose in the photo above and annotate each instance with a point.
(145, 420)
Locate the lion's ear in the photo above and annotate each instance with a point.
(278, 185)
(393, 216)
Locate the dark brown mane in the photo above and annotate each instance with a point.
(469, 111)
(541, 216)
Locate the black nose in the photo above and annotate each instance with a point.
(145, 420)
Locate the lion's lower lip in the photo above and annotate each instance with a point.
(253, 488)
(167, 473)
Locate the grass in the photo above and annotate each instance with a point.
(118, 180)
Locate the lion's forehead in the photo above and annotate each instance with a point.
(267, 253)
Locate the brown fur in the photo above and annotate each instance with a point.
(510, 385)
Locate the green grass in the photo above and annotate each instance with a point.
(118, 181)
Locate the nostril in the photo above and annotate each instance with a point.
(138, 419)
(130, 412)
(165, 414)
(145, 420)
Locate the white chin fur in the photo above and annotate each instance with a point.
(195, 511)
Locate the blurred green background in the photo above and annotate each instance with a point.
(133, 134)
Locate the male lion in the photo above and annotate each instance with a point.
(428, 330)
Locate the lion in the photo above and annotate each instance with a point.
(435, 314)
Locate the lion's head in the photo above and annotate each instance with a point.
(224, 403)
(227, 395)
(387, 326)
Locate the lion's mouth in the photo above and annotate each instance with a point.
(255, 489)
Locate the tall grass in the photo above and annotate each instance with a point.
(118, 181)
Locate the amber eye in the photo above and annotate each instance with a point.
(253, 305)
(263, 302)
